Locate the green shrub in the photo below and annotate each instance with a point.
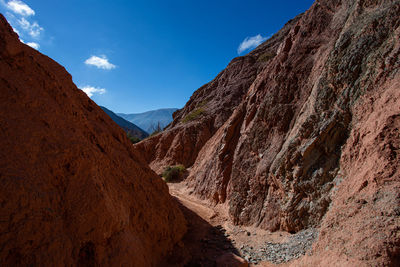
(203, 103)
(197, 112)
(266, 57)
(193, 115)
(154, 133)
(133, 139)
(173, 173)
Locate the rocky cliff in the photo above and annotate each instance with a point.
(303, 132)
(208, 108)
(73, 192)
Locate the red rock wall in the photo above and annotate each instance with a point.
(288, 157)
(73, 192)
(361, 228)
(277, 156)
(286, 161)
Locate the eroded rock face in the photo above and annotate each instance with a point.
(287, 157)
(302, 140)
(73, 192)
(208, 109)
(362, 226)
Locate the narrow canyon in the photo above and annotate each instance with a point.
(290, 157)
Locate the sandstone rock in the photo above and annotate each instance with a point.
(231, 260)
(311, 143)
(73, 192)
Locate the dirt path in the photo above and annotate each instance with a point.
(211, 235)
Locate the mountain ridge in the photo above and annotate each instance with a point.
(129, 127)
(150, 120)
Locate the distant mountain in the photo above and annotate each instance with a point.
(149, 120)
(128, 127)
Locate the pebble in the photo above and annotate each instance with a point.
(297, 246)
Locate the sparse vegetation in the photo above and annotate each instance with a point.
(193, 115)
(173, 173)
(197, 112)
(155, 129)
(266, 57)
(133, 139)
(203, 103)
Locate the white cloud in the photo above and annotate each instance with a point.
(34, 45)
(90, 90)
(20, 8)
(31, 44)
(21, 23)
(250, 43)
(33, 29)
(100, 62)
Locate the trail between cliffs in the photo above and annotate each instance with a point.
(183, 195)
(211, 234)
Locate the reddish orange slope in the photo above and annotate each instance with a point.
(72, 190)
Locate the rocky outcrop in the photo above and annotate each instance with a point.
(313, 140)
(208, 108)
(362, 226)
(73, 192)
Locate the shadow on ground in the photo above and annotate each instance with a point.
(202, 244)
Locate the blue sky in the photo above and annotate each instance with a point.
(135, 56)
